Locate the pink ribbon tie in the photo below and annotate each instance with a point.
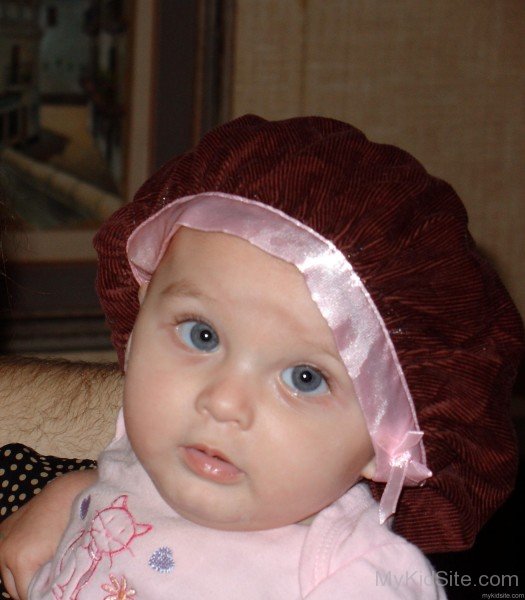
(402, 467)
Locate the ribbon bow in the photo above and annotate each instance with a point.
(402, 465)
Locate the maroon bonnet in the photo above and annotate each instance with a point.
(456, 332)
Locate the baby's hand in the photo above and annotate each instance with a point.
(30, 536)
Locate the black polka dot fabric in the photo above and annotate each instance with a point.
(24, 473)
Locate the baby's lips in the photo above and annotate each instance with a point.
(211, 464)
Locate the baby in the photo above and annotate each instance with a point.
(313, 315)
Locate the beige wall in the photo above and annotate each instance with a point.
(443, 79)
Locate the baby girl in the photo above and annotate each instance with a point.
(299, 312)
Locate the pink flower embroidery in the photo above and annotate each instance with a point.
(118, 590)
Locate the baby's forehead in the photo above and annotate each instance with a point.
(201, 249)
(226, 260)
(228, 275)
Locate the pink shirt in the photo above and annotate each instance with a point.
(124, 542)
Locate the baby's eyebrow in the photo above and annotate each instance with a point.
(182, 288)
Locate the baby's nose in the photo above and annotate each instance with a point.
(228, 399)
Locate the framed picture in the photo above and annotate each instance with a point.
(94, 96)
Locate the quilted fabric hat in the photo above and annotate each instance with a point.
(455, 332)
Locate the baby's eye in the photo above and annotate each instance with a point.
(198, 335)
(305, 380)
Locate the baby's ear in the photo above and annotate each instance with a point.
(369, 469)
(142, 292)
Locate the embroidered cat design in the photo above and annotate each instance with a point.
(111, 531)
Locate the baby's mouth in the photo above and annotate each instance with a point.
(210, 464)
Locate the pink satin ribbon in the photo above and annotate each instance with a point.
(359, 331)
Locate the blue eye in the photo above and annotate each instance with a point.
(198, 335)
(305, 380)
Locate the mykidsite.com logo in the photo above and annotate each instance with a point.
(452, 579)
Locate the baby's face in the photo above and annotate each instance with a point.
(236, 400)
